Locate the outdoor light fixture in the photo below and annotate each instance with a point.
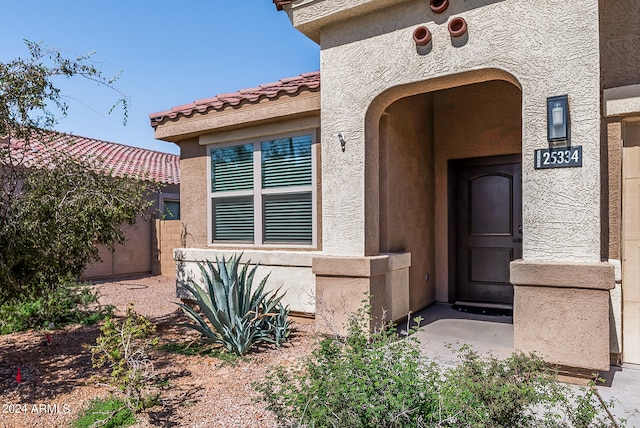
(558, 118)
(343, 143)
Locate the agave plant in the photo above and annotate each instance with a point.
(238, 316)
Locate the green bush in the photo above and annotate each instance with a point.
(519, 391)
(63, 302)
(377, 380)
(124, 347)
(105, 412)
(56, 207)
(235, 315)
(361, 380)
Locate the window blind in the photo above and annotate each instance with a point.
(288, 218)
(232, 168)
(286, 162)
(233, 219)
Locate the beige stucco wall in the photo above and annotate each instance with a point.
(289, 271)
(346, 284)
(561, 311)
(406, 184)
(140, 253)
(131, 258)
(358, 65)
(369, 60)
(619, 42)
(193, 191)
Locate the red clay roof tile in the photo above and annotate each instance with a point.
(280, 3)
(118, 159)
(290, 86)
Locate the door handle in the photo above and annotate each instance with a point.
(520, 229)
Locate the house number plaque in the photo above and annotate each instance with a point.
(558, 157)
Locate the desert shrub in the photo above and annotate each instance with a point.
(378, 380)
(361, 380)
(55, 208)
(519, 391)
(65, 302)
(106, 413)
(232, 313)
(124, 347)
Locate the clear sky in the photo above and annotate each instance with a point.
(170, 53)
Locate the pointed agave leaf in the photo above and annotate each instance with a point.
(259, 296)
(234, 264)
(214, 282)
(249, 285)
(234, 291)
(204, 303)
(222, 269)
(215, 286)
(197, 292)
(240, 316)
(210, 281)
(194, 316)
(202, 299)
(244, 289)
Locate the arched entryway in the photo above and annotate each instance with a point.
(422, 140)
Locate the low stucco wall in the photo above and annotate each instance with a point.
(345, 284)
(289, 271)
(561, 311)
(131, 258)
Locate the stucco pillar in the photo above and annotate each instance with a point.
(345, 284)
(561, 311)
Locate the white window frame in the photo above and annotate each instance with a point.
(258, 192)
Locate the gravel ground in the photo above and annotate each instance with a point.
(57, 378)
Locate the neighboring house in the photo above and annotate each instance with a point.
(482, 152)
(140, 254)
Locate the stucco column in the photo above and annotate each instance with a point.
(345, 284)
(561, 311)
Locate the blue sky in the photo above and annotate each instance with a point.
(170, 53)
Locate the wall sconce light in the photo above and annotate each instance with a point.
(558, 118)
(343, 142)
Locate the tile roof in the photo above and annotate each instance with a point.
(280, 3)
(120, 160)
(289, 86)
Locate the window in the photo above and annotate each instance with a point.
(263, 193)
(171, 210)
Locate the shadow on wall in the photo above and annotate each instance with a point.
(412, 15)
(183, 275)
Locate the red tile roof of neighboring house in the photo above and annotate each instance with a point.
(289, 86)
(280, 3)
(120, 160)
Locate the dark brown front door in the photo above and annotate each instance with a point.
(488, 227)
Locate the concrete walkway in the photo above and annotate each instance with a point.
(444, 328)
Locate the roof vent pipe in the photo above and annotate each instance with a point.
(438, 6)
(457, 27)
(422, 36)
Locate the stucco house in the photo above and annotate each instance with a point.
(149, 238)
(478, 151)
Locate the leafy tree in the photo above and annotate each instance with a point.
(55, 209)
